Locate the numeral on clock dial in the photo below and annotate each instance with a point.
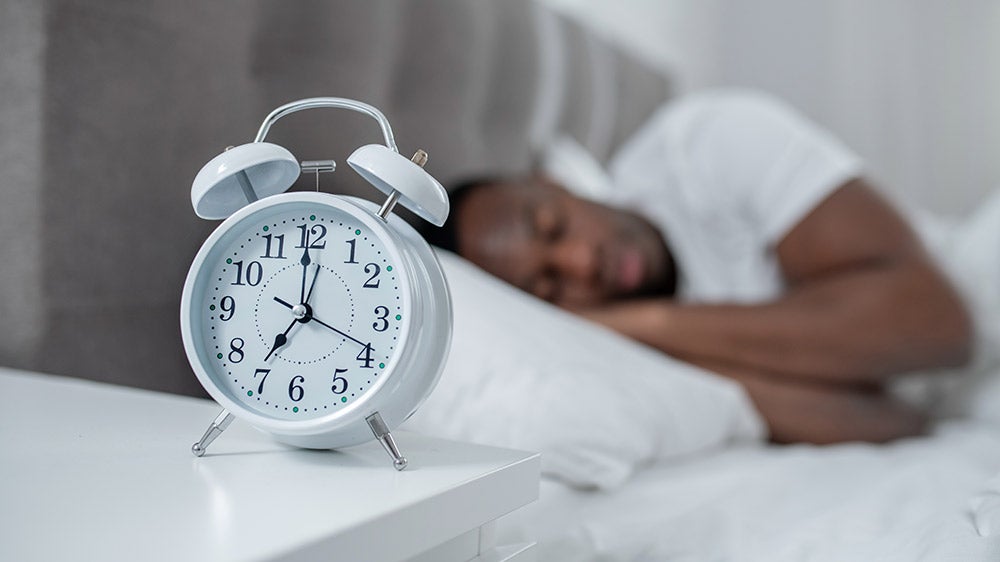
(265, 372)
(236, 350)
(365, 356)
(381, 319)
(313, 236)
(228, 305)
(295, 392)
(254, 273)
(352, 244)
(373, 281)
(337, 380)
(280, 246)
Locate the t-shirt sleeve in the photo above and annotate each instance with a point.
(765, 157)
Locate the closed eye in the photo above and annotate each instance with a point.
(548, 224)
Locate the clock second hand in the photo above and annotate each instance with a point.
(321, 323)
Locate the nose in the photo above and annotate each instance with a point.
(575, 259)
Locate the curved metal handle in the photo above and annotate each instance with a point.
(341, 103)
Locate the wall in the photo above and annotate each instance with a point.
(913, 86)
(21, 221)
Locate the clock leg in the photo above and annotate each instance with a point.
(220, 424)
(381, 432)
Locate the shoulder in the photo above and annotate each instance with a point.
(733, 113)
(720, 123)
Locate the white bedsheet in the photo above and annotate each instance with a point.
(933, 498)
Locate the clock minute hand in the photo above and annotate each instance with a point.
(357, 341)
(305, 261)
(313, 318)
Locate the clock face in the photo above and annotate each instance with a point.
(300, 309)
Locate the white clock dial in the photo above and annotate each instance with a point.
(303, 309)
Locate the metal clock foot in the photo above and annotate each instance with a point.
(381, 432)
(219, 425)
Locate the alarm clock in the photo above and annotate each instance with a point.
(320, 319)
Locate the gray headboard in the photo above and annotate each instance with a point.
(108, 109)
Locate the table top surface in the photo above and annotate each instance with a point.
(106, 471)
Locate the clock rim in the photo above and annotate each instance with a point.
(333, 420)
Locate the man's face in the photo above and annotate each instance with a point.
(539, 237)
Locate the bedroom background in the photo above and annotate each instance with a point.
(109, 110)
(914, 87)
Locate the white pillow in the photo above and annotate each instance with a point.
(969, 252)
(527, 375)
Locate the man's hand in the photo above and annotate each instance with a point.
(637, 318)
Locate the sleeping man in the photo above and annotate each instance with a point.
(741, 238)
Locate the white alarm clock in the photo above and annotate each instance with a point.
(323, 320)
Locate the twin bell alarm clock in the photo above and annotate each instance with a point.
(320, 319)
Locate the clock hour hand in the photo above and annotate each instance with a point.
(280, 339)
(312, 285)
(308, 295)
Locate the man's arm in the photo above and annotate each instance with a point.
(864, 301)
(801, 411)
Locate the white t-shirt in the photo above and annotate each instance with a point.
(725, 176)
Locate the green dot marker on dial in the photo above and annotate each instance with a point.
(265, 229)
(343, 399)
(399, 317)
(211, 307)
(219, 356)
(357, 231)
(381, 365)
(295, 409)
(388, 268)
(229, 260)
(249, 393)
(312, 217)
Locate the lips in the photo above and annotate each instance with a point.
(630, 270)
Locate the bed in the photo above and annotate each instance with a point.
(648, 458)
(933, 498)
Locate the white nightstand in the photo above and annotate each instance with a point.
(101, 472)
